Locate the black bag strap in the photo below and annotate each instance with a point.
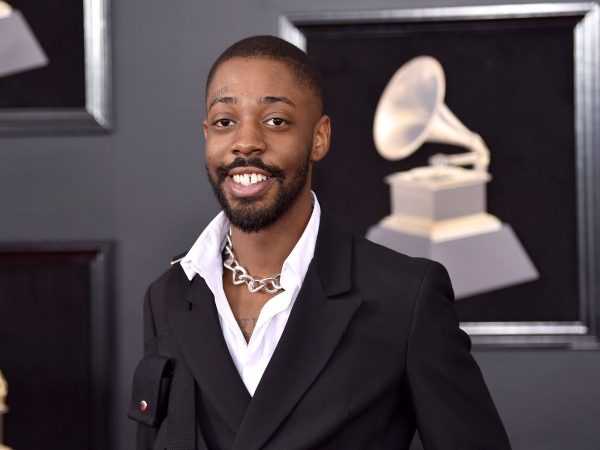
(149, 384)
(181, 417)
(163, 385)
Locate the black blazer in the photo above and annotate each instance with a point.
(371, 351)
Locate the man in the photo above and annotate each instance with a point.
(282, 329)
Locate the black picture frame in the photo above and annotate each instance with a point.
(358, 51)
(72, 94)
(55, 342)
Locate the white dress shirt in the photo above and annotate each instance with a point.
(205, 259)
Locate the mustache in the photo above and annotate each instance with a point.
(274, 171)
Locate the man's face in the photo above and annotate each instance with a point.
(263, 131)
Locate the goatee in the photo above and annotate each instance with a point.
(248, 215)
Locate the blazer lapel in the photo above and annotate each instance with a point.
(314, 329)
(198, 333)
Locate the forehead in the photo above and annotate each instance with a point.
(257, 77)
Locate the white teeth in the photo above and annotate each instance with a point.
(247, 179)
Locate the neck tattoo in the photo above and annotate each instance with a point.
(271, 285)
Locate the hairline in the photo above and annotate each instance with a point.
(288, 62)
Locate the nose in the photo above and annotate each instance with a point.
(249, 139)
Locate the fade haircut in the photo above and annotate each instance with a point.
(303, 68)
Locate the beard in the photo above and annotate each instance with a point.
(248, 215)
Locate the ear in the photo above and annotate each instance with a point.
(321, 138)
(205, 127)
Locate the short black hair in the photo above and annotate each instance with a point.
(304, 69)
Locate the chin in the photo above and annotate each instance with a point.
(253, 214)
(252, 220)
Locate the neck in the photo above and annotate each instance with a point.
(262, 253)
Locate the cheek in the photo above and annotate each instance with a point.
(208, 159)
(295, 149)
(211, 166)
(212, 154)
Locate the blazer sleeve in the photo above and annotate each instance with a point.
(452, 405)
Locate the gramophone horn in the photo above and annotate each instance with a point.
(411, 111)
(5, 9)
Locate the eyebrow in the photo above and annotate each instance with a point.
(272, 99)
(268, 100)
(226, 100)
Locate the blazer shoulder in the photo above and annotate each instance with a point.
(386, 274)
(171, 285)
(372, 264)
(385, 259)
(171, 277)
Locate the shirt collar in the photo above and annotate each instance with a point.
(204, 258)
(207, 248)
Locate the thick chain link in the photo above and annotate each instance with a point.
(240, 275)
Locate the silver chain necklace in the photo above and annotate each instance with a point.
(240, 274)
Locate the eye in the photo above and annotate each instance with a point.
(224, 123)
(276, 122)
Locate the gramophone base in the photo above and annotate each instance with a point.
(476, 264)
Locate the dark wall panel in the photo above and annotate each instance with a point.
(49, 345)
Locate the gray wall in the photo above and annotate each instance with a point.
(144, 187)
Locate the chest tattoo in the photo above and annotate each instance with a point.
(247, 326)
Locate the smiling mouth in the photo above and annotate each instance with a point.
(248, 179)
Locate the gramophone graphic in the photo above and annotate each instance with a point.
(439, 211)
(19, 49)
